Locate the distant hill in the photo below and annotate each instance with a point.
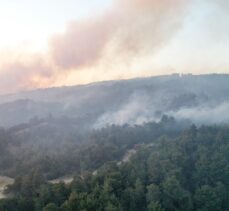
(203, 98)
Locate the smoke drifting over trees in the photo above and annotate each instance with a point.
(125, 102)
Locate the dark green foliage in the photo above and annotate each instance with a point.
(77, 152)
(185, 172)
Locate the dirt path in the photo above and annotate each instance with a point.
(65, 179)
(127, 156)
(4, 181)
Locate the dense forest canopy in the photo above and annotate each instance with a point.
(171, 171)
(24, 147)
(151, 144)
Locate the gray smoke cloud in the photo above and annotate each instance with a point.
(139, 112)
(130, 27)
(204, 114)
(128, 30)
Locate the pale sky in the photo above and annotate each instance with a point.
(49, 43)
(30, 23)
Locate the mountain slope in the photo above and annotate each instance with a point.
(127, 101)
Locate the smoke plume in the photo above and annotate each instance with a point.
(128, 29)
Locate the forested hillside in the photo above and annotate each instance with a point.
(170, 171)
(24, 148)
(147, 144)
(132, 101)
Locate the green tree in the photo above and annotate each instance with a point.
(209, 198)
(174, 196)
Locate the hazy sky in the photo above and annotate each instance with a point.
(63, 42)
(32, 22)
